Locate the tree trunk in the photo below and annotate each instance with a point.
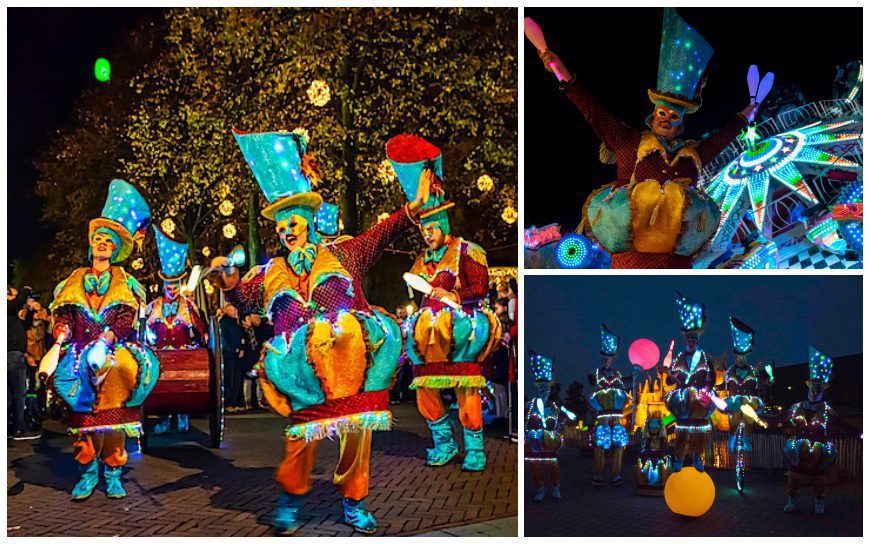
(253, 235)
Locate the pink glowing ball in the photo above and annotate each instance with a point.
(644, 353)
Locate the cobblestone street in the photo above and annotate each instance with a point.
(183, 488)
(618, 511)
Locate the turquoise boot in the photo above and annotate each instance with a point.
(286, 518)
(445, 446)
(90, 475)
(356, 515)
(183, 423)
(114, 488)
(475, 459)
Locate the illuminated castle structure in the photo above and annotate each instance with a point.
(790, 189)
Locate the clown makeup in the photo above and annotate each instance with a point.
(171, 290)
(293, 232)
(433, 235)
(741, 360)
(606, 361)
(691, 343)
(104, 245)
(815, 390)
(666, 122)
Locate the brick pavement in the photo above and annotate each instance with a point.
(618, 511)
(183, 488)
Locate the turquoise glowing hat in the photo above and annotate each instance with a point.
(326, 219)
(821, 366)
(541, 366)
(277, 160)
(692, 315)
(409, 156)
(609, 341)
(126, 214)
(683, 56)
(742, 337)
(173, 256)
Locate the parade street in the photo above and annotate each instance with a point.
(180, 487)
(618, 511)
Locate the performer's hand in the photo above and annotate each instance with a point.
(440, 293)
(553, 63)
(108, 337)
(427, 178)
(221, 262)
(62, 330)
(749, 111)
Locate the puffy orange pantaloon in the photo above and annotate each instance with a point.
(351, 474)
(109, 446)
(470, 412)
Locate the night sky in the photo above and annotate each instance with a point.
(51, 54)
(563, 315)
(614, 53)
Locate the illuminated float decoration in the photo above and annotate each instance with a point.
(689, 492)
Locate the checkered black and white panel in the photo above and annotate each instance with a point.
(815, 258)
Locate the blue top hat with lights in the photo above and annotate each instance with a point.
(542, 367)
(821, 366)
(410, 155)
(126, 215)
(173, 257)
(683, 56)
(609, 341)
(692, 315)
(282, 170)
(742, 337)
(326, 219)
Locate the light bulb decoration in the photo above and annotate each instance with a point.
(509, 215)
(229, 231)
(780, 157)
(318, 93)
(226, 208)
(485, 183)
(574, 251)
(102, 70)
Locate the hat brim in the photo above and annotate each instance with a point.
(126, 238)
(309, 199)
(172, 278)
(432, 211)
(824, 385)
(691, 107)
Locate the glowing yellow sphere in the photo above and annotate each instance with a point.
(229, 230)
(226, 208)
(383, 217)
(485, 183)
(206, 251)
(168, 226)
(509, 215)
(385, 171)
(318, 93)
(689, 492)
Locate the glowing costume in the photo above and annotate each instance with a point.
(544, 422)
(654, 464)
(103, 383)
(741, 382)
(332, 361)
(609, 400)
(690, 402)
(174, 322)
(810, 426)
(446, 346)
(653, 215)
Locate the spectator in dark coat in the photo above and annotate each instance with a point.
(233, 346)
(16, 361)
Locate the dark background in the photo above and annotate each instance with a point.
(563, 315)
(51, 61)
(614, 53)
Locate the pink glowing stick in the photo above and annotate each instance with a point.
(534, 35)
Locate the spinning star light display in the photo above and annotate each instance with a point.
(776, 157)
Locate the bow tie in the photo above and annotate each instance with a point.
(434, 256)
(98, 284)
(170, 308)
(301, 260)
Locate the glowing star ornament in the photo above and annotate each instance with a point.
(229, 231)
(485, 183)
(168, 226)
(226, 208)
(574, 251)
(318, 93)
(780, 158)
(509, 215)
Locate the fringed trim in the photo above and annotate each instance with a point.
(132, 430)
(447, 382)
(329, 428)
